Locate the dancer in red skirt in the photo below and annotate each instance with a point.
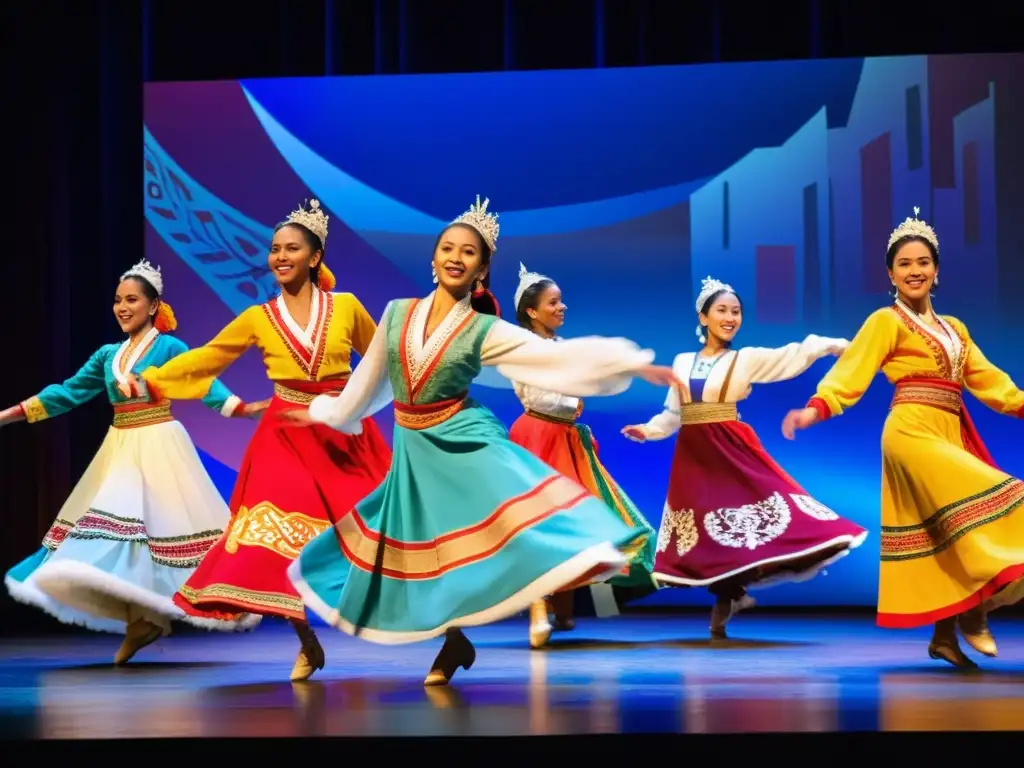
(293, 483)
(733, 517)
(550, 431)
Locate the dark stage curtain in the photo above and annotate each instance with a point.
(72, 96)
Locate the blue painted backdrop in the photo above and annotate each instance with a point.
(627, 186)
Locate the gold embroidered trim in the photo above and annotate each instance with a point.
(419, 560)
(951, 523)
(246, 599)
(265, 525)
(935, 397)
(290, 395)
(34, 410)
(426, 419)
(707, 413)
(553, 419)
(142, 417)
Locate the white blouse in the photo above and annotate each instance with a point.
(754, 365)
(584, 367)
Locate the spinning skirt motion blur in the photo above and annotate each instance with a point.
(571, 449)
(469, 528)
(131, 533)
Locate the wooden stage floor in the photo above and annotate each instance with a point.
(643, 675)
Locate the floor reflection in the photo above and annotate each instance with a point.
(795, 675)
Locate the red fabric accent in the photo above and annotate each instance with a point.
(912, 620)
(316, 387)
(972, 439)
(315, 471)
(557, 445)
(1020, 413)
(155, 396)
(824, 413)
(427, 408)
(724, 466)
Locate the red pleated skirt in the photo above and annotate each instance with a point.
(294, 483)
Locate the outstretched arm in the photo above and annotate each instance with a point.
(219, 398)
(990, 384)
(368, 390)
(767, 365)
(583, 367)
(191, 375)
(662, 425)
(845, 384)
(57, 399)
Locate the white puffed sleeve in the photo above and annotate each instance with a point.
(583, 367)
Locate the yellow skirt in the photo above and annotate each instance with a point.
(952, 523)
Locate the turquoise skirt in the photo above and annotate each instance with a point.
(466, 529)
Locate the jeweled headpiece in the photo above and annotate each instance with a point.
(708, 288)
(315, 220)
(914, 227)
(149, 273)
(483, 222)
(526, 279)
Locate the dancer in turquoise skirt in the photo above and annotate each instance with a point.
(467, 528)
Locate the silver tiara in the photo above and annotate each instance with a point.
(315, 220)
(149, 273)
(483, 222)
(914, 227)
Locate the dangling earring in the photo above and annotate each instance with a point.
(478, 288)
(700, 334)
(433, 271)
(935, 282)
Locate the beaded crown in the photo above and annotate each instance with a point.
(914, 227)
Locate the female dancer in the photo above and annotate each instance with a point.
(468, 528)
(292, 484)
(952, 532)
(145, 512)
(549, 430)
(733, 518)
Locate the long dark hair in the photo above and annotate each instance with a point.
(529, 300)
(482, 301)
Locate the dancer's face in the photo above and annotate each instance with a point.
(459, 260)
(132, 308)
(550, 310)
(724, 318)
(914, 271)
(291, 256)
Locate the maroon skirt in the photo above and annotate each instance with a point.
(733, 514)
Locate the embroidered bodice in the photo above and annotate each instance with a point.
(106, 369)
(897, 342)
(705, 377)
(321, 350)
(402, 365)
(423, 371)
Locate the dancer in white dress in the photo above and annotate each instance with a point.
(144, 512)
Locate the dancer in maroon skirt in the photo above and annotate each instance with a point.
(733, 517)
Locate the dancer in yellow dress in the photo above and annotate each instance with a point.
(952, 522)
